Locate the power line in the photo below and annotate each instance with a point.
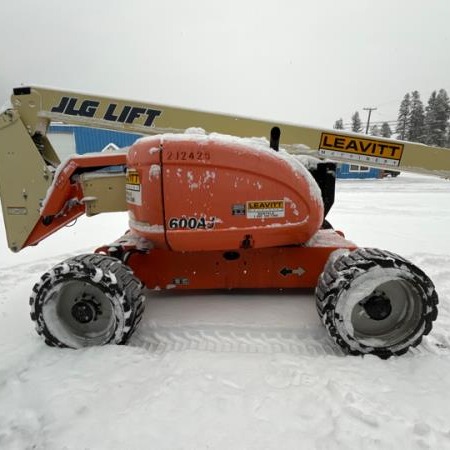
(376, 122)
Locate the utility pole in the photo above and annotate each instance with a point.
(368, 118)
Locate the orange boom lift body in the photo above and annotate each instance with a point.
(207, 213)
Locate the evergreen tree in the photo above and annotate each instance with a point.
(375, 130)
(430, 120)
(403, 117)
(442, 116)
(416, 119)
(356, 123)
(436, 118)
(339, 124)
(386, 130)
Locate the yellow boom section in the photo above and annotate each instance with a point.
(38, 106)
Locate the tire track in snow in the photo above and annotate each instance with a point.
(221, 339)
(232, 339)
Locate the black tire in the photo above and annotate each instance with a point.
(375, 302)
(85, 301)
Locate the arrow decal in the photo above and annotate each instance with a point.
(285, 271)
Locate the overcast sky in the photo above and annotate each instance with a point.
(307, 62)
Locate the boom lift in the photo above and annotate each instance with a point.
(206, 211)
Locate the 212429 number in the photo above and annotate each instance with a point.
(188, 156)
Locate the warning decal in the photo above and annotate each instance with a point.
(133, 188)
(265, 209)
(360, 149)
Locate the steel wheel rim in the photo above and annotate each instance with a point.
(400, 324)
(79, 314)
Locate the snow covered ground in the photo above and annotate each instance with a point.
(233, 371)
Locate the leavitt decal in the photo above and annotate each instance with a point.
(265, 209)
(360, 149)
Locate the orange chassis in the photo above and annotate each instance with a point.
(279, 267)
